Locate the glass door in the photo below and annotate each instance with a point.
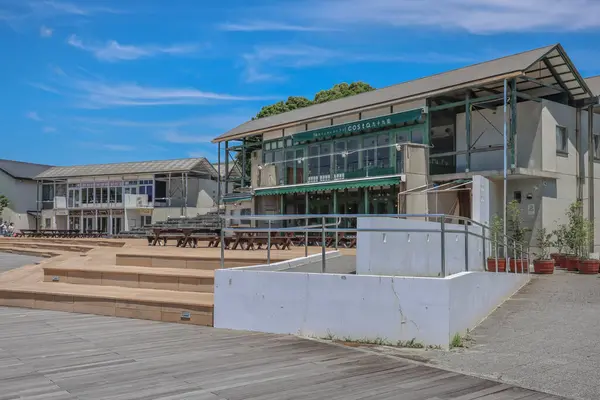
(103, 224)
(116, 225)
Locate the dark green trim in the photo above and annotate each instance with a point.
(412, 116)
(319, 187)
(236, 199)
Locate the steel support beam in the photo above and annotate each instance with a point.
(243, 166)
(219, 166)
(475, 101)
(468, 125)
(226, 167)
(560, 82)
(591, 155)
(513, 123)
(538, 82)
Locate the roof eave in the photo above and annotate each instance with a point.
(424, 95)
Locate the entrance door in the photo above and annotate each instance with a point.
(74, 223)
(103, 224)
(88, 224)
(74, 198)
(116, 225)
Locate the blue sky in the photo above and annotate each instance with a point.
(108, 81)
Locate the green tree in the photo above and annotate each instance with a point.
(292, 103)
(342, 90)
(3, 203)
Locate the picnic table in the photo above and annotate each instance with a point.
(252, 241)
(184, 236)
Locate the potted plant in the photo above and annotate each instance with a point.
(496, 263)
(543, 263)
(517, 232)
(560, 234)
(587, 265)
(574, 236)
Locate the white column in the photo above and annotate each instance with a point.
(81, 221)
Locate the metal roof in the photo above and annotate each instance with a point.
(416, 89)
(594, 83)
(200, 165)
(22, 170)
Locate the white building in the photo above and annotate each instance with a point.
(18, 185)
(119, 197)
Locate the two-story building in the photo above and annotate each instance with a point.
(119, 197)
(18, 185)
(394, 149)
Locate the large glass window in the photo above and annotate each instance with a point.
(98, 196)
(119, 195)
(278, 160)
(313, 162)
(417, 135)
(369, 147)
(104, 195)
(290, 163)
(339, 159)
(383, 150)
(325, 162)
(300, 166)
(353, 157)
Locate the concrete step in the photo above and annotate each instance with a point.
(46, 246)
(187, 261)
(29, 252)
(152, 304)
(83, 241)
(186, 280)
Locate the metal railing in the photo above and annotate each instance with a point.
(497, 241)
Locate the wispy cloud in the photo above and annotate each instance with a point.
(174, 136)
(102, 95)
(45, 31)
(269, 26)
(26, 13)
(44, 87)
(114, 51)
(49, 129)
(474, 16)
(302, 56)
(33, 116)
(108, 146)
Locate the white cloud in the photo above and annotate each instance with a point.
(114, 51)
(302, 56)
(174, 136)
(45, 31)
(268, 26)
(44, 87)
(33, 116)
(103, 95)
(474, 16)
(117, 147)
(49, 129)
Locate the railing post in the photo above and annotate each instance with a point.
(483, 233)
(269, 244)
(223, 224)
(443, 245)
(528, 260)
(323, 245)
(466, 246)
(306, 237)
(496, 250)
(515, 255)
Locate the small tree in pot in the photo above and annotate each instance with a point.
(518, 233)
(560, 243)
(496, 263)
(543, 263)
(574, 236)
(587, 265)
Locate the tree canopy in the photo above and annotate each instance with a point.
(338, 91)
(3, 203)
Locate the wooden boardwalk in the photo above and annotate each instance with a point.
(54, 355)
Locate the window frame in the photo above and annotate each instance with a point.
(596, 144)
(565, 140)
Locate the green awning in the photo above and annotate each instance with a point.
(323, 186)
(412, 116)
(236, 199)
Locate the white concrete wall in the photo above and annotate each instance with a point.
(358, 307)
(414, 253)
(486, 130)
(22, 197)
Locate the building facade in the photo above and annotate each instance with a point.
(393, 150)
(112, 198)
(18, 185)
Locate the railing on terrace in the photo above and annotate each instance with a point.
(499, 243)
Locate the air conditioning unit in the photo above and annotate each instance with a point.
(139, 202)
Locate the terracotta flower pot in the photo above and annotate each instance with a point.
(561, 262)
(491, 265)
(520, 266)
(589, 267)
(543, 266)
(572, 263)
(555, 257)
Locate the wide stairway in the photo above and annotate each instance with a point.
(168, 289)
